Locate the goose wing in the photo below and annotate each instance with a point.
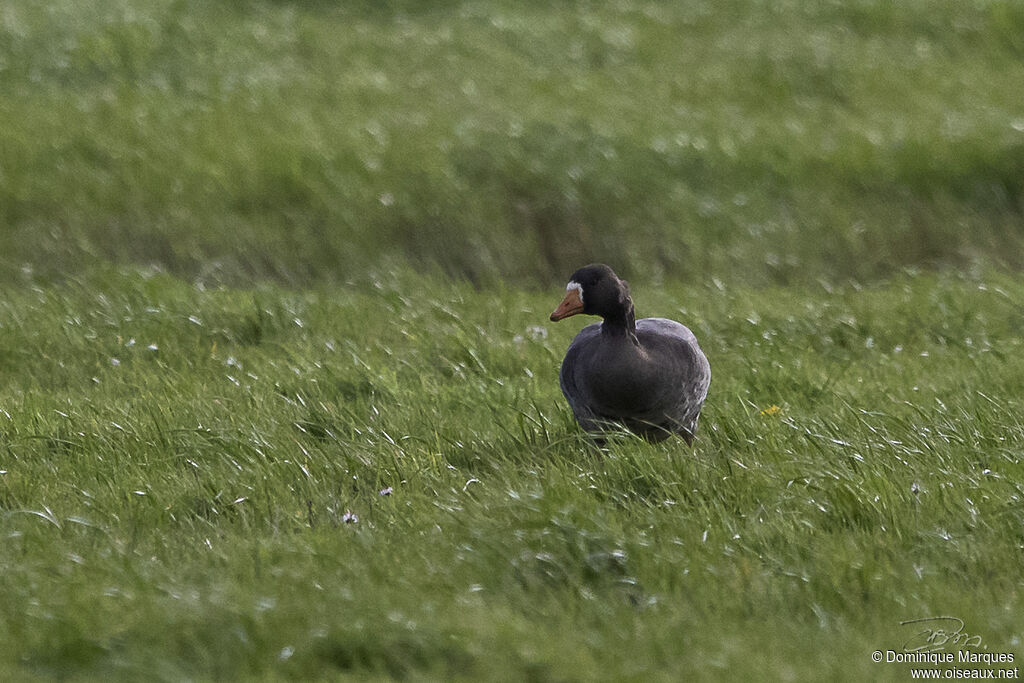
(684, 376)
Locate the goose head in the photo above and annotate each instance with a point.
(596, 290)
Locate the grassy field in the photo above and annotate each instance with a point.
(278, 392)
(308, 141)
(274, 483)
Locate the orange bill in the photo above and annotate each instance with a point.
(571, 305)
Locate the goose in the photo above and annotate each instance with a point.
(648, 375)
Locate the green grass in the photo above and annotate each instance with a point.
(278, 392)
(312, 141)
(181, 510)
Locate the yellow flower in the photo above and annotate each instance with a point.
(771, 410)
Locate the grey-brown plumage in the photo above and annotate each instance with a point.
(649, 376)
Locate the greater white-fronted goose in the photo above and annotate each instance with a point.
(647, 375)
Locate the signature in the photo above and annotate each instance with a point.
(937, 633)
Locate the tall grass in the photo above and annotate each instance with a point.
(385, 481)
(313, 142)
(278, 394)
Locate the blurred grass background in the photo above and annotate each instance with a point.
(292, 477)
(756, 142)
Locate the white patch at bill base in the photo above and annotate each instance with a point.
(577, 286)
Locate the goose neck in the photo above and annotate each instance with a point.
(621, 327)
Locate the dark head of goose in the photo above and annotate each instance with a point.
(596, 290)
